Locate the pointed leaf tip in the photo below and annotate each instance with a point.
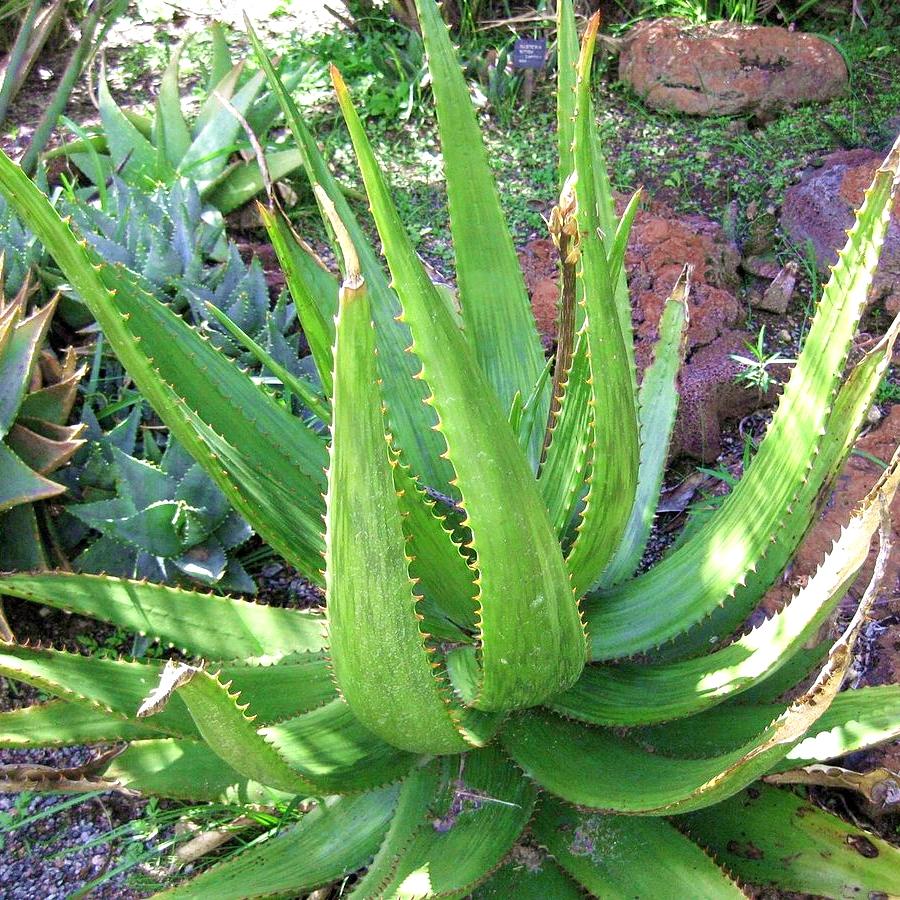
(337, 79)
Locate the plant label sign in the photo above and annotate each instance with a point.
(530, 53)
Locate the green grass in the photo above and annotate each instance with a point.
(889, 388)
(694, 165)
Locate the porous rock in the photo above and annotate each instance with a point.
(820, 209)
(660, 245)
(725, 69)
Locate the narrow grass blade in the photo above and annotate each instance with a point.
(338, 837)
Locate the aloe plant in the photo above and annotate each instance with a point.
(491, 701)
(37, 393)
(167, 237)
(165, 522)
(165, 146)
(20, 253)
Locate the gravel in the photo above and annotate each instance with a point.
(55, 856)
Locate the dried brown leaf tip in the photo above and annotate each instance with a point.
(173, 676)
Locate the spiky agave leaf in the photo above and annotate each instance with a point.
(167, 523)
(36, 399)
(165, 147)
(20, 252)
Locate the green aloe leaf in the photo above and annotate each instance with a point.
(23, 547)
(708, 567)
(20, 345)
(242, 181)
(212, 146)
(410, 419)
(19, 484)
(155, 529)
(479, 812)
(566, 78)
(636, 694)
(851, 405)
(173, 133)
(563, 472)
(59, 722)
(225, 84)
(306, 393)
(186, 770)
(220, 63)
(530, 626)
(174, 616)
(371, 604)
(313, 289)
(608, 855)
(413, 811)
(304, 684)
(225, 726)
(526, 880)
(600, 769)
(657, 406)
(437, 562)
(116, 686)
(615, 445)
(335, 839)
(616, 250)
(774, 838)
(332, 747)
(133, 156)
(495, 306)
(856, 720)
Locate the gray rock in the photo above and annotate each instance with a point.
(819, 210)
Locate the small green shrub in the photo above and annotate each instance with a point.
(755, 367)
(164, 146)
(166, 522)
